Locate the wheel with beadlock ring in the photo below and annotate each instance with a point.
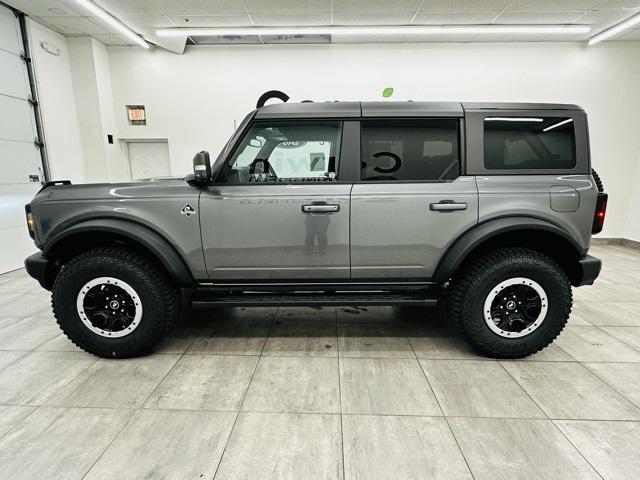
(115, 302)
(510, 302)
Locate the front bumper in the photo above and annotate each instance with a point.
(39, 267)
(588, 270)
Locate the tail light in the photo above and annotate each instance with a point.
(31, 225)
(599, 214)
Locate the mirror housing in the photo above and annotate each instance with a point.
(201, 169)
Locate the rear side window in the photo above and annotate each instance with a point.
(418, 150)
(529, 143)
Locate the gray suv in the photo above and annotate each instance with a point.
(485, 208)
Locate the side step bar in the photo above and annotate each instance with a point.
(291, 299)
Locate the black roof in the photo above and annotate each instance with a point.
(393, 109)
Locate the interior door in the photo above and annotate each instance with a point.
(20, 161)
(411, 203)
(277, 211)
(149, 159)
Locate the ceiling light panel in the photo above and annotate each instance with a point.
(380, 30)
(616, 30)
(112, 22)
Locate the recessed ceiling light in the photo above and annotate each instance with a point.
(610, 32)
(57, 11)
(118, 25)
(378, 30)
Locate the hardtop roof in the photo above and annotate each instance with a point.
(394, 109)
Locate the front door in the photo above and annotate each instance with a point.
(277, 210)
(411, 203)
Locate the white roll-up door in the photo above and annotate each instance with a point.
(20, 160)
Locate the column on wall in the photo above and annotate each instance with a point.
(91, 76)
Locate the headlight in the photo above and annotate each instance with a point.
(31, 224)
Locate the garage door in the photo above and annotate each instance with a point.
(20, 161)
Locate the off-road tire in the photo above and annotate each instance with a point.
(160, 299)
(470, 287)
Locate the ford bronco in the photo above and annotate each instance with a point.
(486, 208)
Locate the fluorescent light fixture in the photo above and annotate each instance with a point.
(512, 119)
(629, 22)
(119, 26)
(377, 30)
(555, 125)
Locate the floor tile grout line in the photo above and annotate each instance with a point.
(612, 387)
(344, 469)
(131, 415)
(282, 412)
(36, 408)
(589, 371)
(424, 373)
(547, 417)
(524, 390)
(312, 355)
(141, 407)
(555, 425)
(146, 399)
(57, 390)
(24, 354)
(244, 395)
(599, 327)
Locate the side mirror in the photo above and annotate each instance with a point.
(201, 169)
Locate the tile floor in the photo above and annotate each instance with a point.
(332, 393)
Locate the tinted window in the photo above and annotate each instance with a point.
(286, 152)
(410, 150)
(518, 143)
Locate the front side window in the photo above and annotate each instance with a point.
(286, 152)
(418, 150)
(523, 143)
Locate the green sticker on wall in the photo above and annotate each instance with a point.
(387, 92)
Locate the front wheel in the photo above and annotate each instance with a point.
(114, 302)
(510, 303)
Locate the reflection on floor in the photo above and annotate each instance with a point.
(302, 393)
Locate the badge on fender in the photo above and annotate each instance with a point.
(188, 210)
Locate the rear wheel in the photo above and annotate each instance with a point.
(510, 303)
(114, 302)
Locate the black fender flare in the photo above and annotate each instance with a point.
(157, 245)
(479, 234)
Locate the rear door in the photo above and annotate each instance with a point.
(411, 201)
(278, 210)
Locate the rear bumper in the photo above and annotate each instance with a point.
(38, 266)
(589, 269)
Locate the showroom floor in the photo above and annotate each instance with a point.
(371, 393)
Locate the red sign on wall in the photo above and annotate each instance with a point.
(136, 115)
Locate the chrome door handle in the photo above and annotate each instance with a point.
(320, 208)
(447, 206)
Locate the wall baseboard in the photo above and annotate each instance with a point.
(625, 242)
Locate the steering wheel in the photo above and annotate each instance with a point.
(267, 170)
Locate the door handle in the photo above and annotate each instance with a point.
(323, 208)
(447, 206)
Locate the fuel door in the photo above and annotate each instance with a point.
(564, 198)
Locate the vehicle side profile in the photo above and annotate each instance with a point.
(486, 209)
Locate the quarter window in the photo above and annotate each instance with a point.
(286, 152)
(409, 150)
(529, 143)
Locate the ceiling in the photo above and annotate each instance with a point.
(144, 16)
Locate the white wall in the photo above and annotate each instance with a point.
(194, 99)
(57, 104)
(632, 229)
